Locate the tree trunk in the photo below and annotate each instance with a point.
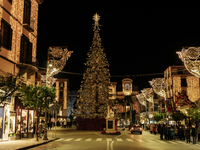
(37, 121)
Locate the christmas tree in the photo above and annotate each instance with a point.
(94, 90)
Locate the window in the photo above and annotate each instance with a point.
(61, 84)
(27, 12)
(156, 107)
(26, 50)
(6, 35)
(61, 94)
(183, 83)
(10, 1)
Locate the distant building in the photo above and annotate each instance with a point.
(119, 92)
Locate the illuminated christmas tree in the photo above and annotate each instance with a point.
(94, 90)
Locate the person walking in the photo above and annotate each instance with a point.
(40, 130)
(180, 133)
(161, 131)
(151, 128)
(166, 132)
(155, 129)
(171, 133)
(175, 132)
(187, 134)
(194, 134)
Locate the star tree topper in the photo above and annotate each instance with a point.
(96, 18)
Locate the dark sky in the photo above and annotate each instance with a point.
(139, 37)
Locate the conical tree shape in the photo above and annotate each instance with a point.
(94, 89)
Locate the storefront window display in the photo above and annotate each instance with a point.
(25, 123)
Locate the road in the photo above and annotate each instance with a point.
(94, 140)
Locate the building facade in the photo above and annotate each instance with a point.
(19, 21)
(178, 80)
(119, 92)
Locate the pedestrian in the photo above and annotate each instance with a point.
(155, 129)
(187, 134)
(50, 124)
(166, 132)
(161, 131)
(159, 128)
(40, 130)
(171, 133)
(194, 134)
(175, 132)
(151, 128)
(180, 133)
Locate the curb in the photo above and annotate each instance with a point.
(32, 146)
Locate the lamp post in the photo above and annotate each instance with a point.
(56, 60)
(148, 94)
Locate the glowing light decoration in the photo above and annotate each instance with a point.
(65, 96)
(57, 58)
(148, 94)
(158, 85)
(192, 88)
(176, 85)
(190, 57)
(142, 100)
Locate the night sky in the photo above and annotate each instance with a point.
(139, 37)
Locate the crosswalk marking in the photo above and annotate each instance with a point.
(108, 139)
(119, 139)
(151, 141)
(127, 139)
(130, 140)
(79, 139)
(60, 139)
(88, 139)
(99, 139)
(69, 139)
(139, 140)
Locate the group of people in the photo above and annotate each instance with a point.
(171, 132)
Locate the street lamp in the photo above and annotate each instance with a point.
(56, 60)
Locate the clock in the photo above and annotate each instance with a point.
(127, 86)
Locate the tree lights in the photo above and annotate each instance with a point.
(94, 90)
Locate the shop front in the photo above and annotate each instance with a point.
(7, 123)
(25, 123)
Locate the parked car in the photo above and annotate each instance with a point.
(136, 128)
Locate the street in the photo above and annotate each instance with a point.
(94, 140)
